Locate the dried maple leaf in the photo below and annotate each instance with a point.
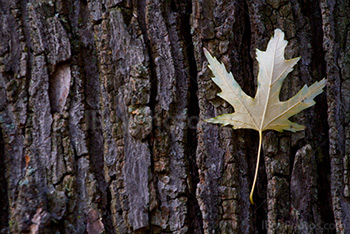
(264, 111)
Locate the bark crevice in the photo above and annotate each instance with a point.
(4, 210)
(196, 220)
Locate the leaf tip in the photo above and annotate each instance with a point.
(206, 53)
(294, 127)
(323, 82)
(278, 32)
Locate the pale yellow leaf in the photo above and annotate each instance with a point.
(264, 111)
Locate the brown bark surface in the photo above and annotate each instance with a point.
(102, 109)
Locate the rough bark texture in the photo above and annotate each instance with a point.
(102, 109)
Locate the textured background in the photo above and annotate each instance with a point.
(101, 118)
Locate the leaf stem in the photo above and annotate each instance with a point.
(256, 169)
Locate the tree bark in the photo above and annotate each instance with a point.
(102, 109)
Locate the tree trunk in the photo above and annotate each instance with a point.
(102, 109)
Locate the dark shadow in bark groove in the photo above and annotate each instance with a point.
(321, 146)
(95, 139)
(195, 215)
(4, 211)
(95, 145)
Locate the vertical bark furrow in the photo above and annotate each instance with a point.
(194, 214)
(4, 213)
(13, 109)
(333, 44)
(170, 118)
(126, 115)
